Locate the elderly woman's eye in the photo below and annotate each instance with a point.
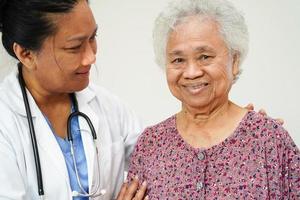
(177, 60)
(204, 57)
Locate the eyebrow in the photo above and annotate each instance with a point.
(198, 49)
(80, 37)
(203, 48)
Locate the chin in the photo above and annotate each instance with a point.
(80, 87)
(196, 103)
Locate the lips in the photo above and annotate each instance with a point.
(195, 88)
(84, 70)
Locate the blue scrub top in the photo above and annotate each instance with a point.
(81, 163)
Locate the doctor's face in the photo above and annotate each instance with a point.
(64, 61)
(200, 68)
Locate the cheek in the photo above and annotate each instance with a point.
(52, 68)
(68, 61)
(222, 80)
(172, 81)
(95, 47)
(172, 76)
(47, 68)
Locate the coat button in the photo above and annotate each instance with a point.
(201, 156)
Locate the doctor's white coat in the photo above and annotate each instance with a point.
(117, 129)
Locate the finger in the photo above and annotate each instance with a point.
(132, 189)
(250, 106)
(146, 198)
(280, 121)
(262, 112)
(122, 191)
(141, 192)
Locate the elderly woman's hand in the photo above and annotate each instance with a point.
(263, 112)
(133, 191)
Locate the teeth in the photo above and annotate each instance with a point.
(195, 88)
(197, 85)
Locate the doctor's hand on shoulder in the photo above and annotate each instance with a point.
(133, 190)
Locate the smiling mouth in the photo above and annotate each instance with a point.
(195, 88)
(83, 71)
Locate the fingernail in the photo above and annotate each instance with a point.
(126, 180)
(144, 183)
(147, 197)
(136, 177)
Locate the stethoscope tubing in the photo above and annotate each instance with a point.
(69, 137)
(77, 113)
(32, 134)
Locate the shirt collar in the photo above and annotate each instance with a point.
(13, 95)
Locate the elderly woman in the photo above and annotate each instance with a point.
(212, 148)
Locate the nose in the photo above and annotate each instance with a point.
(89, 55)
(193, 70)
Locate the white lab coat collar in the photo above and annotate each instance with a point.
(14, 97)
(46, 140)
(12, 87)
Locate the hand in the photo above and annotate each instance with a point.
(132, 191)
(263, 112)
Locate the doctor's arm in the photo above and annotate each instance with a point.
(132, 127)
(11, 182)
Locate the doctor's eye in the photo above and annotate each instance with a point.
(93, 38)
(74, 49)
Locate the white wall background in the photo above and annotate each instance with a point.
(125, 60)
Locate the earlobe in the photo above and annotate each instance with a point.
(236, 65)
(25, 56)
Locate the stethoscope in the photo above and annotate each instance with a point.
(76, 112)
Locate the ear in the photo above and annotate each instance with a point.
(26, 57)
(236, 64)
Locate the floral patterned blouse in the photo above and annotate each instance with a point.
(258, 161)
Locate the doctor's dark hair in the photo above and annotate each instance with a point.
(30, 22)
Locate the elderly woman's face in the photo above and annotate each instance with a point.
(200, 68)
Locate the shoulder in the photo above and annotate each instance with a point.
(101, 91)
(100, 100)
(157, 134)
(6, 113)
(265, 129)
(7, 103)
(105, 97)
(9, 131)
(162, 127)
(116, 112)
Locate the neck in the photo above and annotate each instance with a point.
(205, 129)
(204, 116)
(43, 97)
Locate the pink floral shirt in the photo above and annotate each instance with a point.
(258, 161)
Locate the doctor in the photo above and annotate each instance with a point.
(54, 42)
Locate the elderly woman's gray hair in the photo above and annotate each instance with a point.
(231, 22)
